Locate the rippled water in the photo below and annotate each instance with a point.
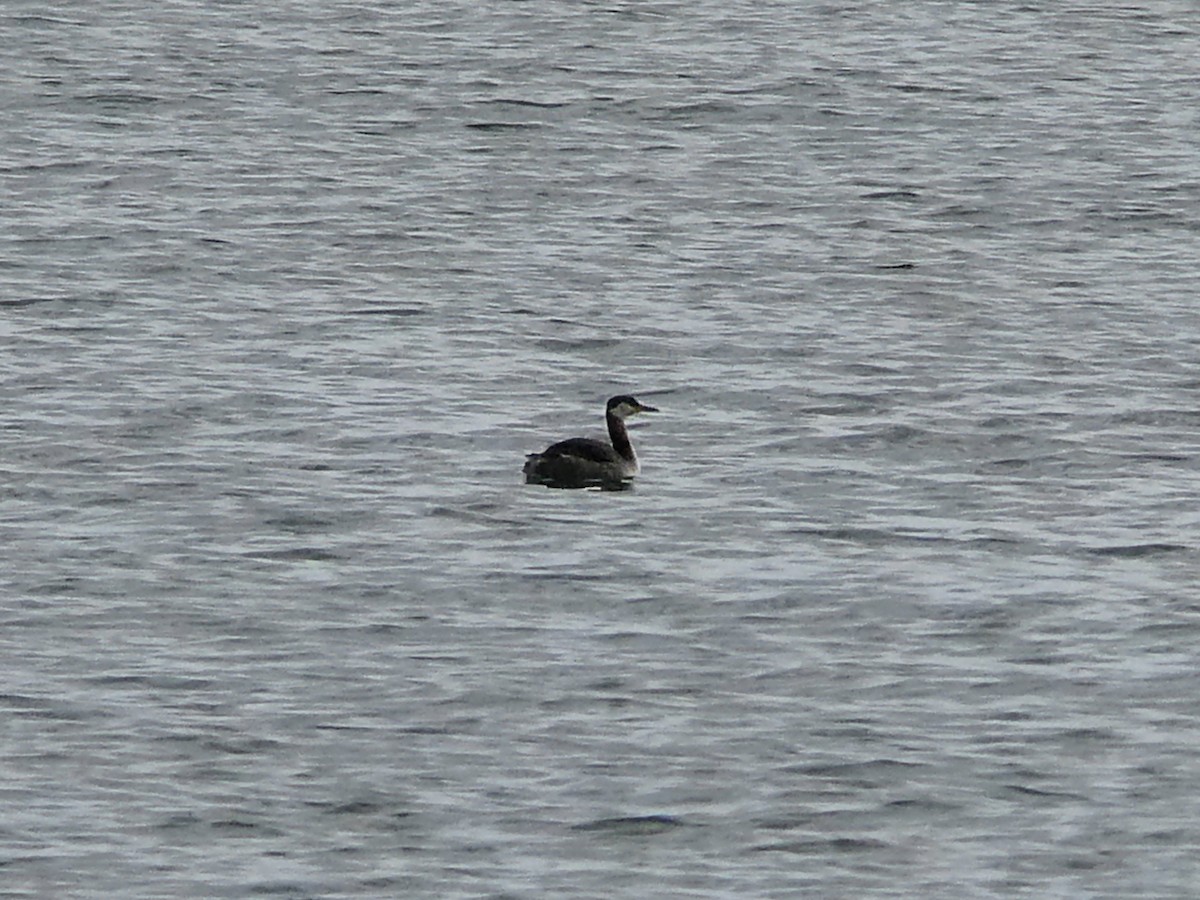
(904, 602)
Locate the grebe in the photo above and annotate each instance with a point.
(583, 462)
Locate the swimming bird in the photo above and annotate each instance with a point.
(584, 462)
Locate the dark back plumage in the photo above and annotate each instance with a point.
(581, 448)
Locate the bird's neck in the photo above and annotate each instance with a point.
(619, 436)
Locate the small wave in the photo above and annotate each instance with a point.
(1041, 794)
(500, 126)
(879, 536)
(828, 845)
(315, 554)
(1136, 551)
(631, 825)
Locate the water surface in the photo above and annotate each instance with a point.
(903, 602)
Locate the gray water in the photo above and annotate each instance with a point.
(904, 603)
